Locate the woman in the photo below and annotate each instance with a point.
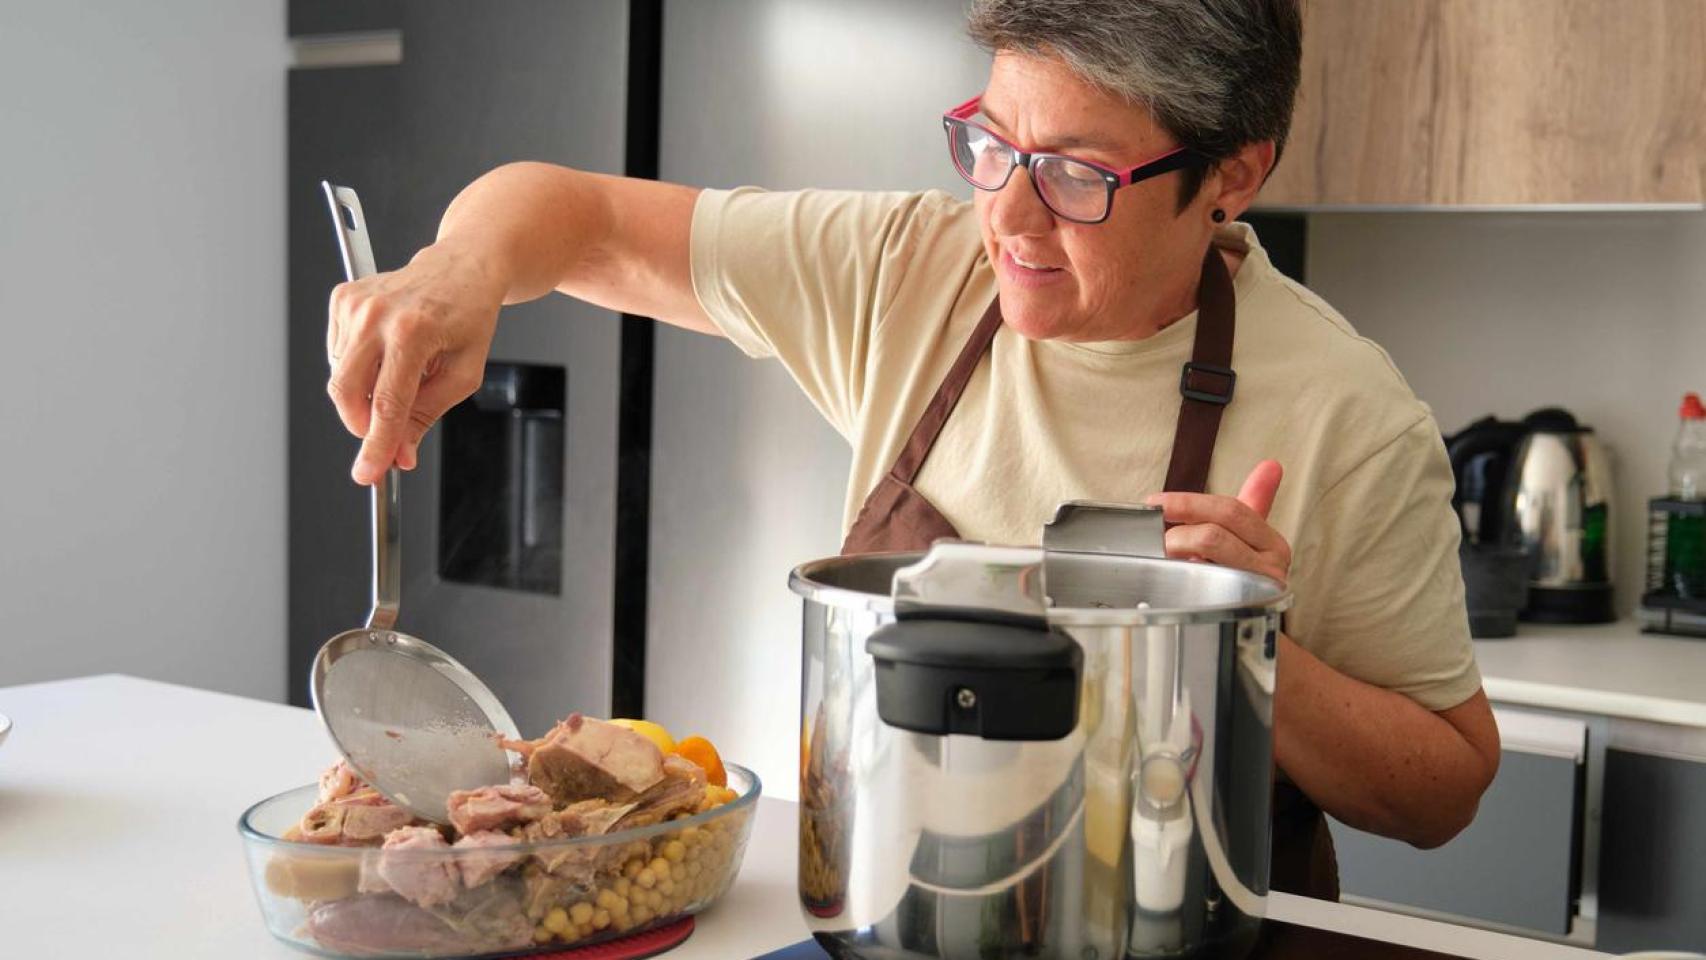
(1042, 343)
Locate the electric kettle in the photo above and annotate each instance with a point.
(1542, 485)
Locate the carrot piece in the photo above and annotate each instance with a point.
(700, 751)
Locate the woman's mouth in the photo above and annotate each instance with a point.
(1027, 273)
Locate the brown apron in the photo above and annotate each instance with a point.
(897, 517)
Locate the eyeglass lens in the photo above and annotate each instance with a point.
(1071, 189)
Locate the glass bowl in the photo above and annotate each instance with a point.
(525, 897)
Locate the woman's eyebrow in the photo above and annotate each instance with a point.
(1064, 142)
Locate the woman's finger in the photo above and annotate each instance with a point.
(1261, 486)
(1234, 515)
(452, 383)
(334, 309)
(393, 399)
(1215, 544)
(351, 385)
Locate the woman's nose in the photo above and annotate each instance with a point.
(1017, 209)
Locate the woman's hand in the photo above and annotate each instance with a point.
(404, 348)
(1231, 531)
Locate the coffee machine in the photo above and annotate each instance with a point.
(1541, 486)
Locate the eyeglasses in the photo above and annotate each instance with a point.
(1075, 190)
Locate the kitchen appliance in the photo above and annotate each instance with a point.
(529, 466)
(1057, 751)
(1542, 485)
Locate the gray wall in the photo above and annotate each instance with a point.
(747, 479)
(1601, 313)
(142, 293)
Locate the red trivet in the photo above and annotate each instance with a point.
(640, 945)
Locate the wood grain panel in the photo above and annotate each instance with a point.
(1498, 102)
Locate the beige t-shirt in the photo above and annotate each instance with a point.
(866, 298)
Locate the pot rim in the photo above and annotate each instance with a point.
(801, 581)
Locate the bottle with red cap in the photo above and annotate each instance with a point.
(1685, 538)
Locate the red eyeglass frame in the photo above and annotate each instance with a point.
(1175, 159)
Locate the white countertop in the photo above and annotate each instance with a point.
(1611, 670)
(119, 801)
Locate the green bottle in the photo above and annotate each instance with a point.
(1685, 534)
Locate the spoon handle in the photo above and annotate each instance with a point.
(357, 254)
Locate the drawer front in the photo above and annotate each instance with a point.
(1515, 865)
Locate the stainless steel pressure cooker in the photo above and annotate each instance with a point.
(1061, 751)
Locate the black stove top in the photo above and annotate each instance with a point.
(1279, 941)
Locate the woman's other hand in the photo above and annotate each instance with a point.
(1231, 531)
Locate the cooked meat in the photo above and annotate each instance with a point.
(369, 926)
(339, 781)
(586, 818)
(496, 807)
(681, 790)
(480, 864)
(583, 758)
(422, 879)
(357, 819)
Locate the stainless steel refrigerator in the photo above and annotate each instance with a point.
(509, 539)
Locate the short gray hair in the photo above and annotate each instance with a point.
(1216, 74)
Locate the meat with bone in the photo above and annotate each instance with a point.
(339, 781)
(584, 819)
(680, 791)
(496, 807)
(356, 819)
(582, 758)
(408, 866)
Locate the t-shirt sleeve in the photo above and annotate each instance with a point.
(804, 276)
(1379, 589)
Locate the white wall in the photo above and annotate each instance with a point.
(1601, 313)
(141, 372)
(747, 478)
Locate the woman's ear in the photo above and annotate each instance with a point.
(1238, 177)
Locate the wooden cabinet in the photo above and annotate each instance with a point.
(1497, 102)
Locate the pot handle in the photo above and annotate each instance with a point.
(997, 677)
(1091, 526)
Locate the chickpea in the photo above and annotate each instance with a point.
(646, 878)
(601, 919)
(541, 934)
(675, 851)
(641, 915)
(632, 868)
(557, 921)
(678, 872)
(622, 886)
(666, 886)
(580, 913)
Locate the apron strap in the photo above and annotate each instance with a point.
(911, 459)
(1206, 382)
